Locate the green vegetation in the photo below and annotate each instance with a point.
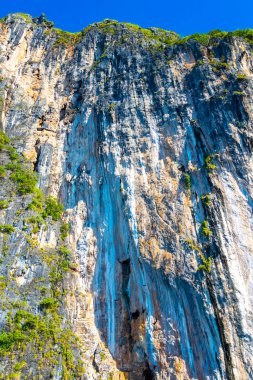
(187, 181)
(44, 337)
(246, 34)
(66, 38)
(43, 290)
(3, 284)
(2, 172)
(155, 35)
(64, 260)
(3, 204)
(218, 65)
(49, 340)
(202, 39)
(205, 230)
(214, 35)
(102, 355)
(36, 222)
(192, 245)
(4, 140)
(239, 93)
(200, 62)
(242, 77)
(206, 199)
(46, 207)
(19, 366)
(7, 228)
(52, 208)
(49, 304)
(25, 16)
(206, 266)
(8, 340)
(37, 203)
(209, 165)
(64, 229)
(23, 176)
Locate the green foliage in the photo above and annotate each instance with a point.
(66, 38)
(45, 334)
(158, 37)
(3, 283)
(25, 320)
(65, 228)
(209, 165)
(25, 16)
(214, 35)
(52, 208)
(187, 181)
(246, 34)
(64, 251)
(217, 33)
(4, 140)
(3, 204)
(22, 175)
(239, 93)
(205, 230)
(218, 65)
(2, 171)
(102, 355)
(192, 245)
(8, 340)
(202, 39)
(12, 152)
(24, 178)
(64, 260)
(44, 337)
(242, 77)
(200, 62)
(37, 203)
(36, 222)
(7, 228)
(206, 266)
(206, 199)
(20, 365)
(48, 303)
(43, 290)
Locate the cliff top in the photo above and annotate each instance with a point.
(112, 27)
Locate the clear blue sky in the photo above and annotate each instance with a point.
(184, 17)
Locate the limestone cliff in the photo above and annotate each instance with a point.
(146, 139)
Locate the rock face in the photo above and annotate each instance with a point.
(148, 144)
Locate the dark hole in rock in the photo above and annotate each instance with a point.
(136, 314)
(148, 374)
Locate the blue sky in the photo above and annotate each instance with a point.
(184, 17)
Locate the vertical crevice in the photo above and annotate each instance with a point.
(38, 153)
(225, 345)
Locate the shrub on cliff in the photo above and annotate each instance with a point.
(2, 171)
(205, 230)
(52, 208)
(187, 181)
(65, 228)
(4, 140)
(206, 266)
(3, 204)
(209, 165)
(7, 228)
(24, 177)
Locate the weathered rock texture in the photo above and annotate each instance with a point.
(130, 134)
